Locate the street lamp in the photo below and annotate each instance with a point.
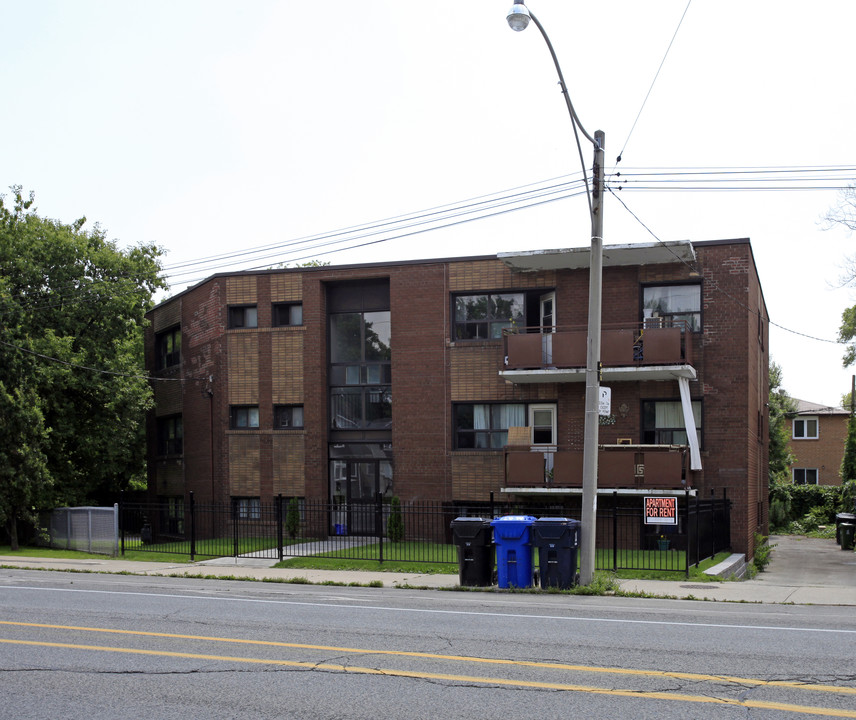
(518, 20)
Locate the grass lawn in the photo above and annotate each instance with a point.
(395, 559)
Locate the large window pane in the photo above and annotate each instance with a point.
(479, 317)
(663, 422)
(377, 332)
(485, 426)
(346, 409)
(346, 337)
(675, 304)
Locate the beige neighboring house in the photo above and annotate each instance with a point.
(818, 435)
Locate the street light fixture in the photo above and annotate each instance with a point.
(518, 19)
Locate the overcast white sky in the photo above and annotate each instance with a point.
(209, 127)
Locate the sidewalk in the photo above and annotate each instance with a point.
(802, 571)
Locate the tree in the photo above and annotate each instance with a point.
(780, 405)
(844, 213)
(72, 313)
(848, 463)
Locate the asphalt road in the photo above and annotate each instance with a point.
(99, 646)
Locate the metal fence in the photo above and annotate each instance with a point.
(417, 532)
(87, 529)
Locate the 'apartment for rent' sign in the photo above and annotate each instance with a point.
(661, 511)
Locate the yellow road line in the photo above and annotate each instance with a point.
(460, 658)
(784, 707)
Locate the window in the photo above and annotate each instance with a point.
(663, 422)
(482, 317)
(485, 426)
(168, 348)
(287, 314)
(287, 417)
(243, 316)
(673, 304)
(805, 476)
(806, 428)
(243, 417)
(170, 436)
(248, 508)
(360, 371)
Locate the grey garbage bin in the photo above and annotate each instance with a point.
(847, 532)
(472, 535)
(557, 540)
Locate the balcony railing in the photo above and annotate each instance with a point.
(653, 342)
(638, 467)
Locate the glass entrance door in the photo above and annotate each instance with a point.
(354, 485)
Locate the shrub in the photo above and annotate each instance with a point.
(762, 552)
(292, 518)
(395, 524)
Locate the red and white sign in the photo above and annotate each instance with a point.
(661, 510)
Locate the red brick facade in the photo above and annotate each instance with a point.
(265, 366)
(824, 453)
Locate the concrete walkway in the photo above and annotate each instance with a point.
(802, 571)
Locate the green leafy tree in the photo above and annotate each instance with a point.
(848, 463)
(72, 313)
(24, 478)
(780, 405)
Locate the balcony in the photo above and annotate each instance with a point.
(636, 467)
(653, 350)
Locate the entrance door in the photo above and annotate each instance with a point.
(354, 485)
(548, 326)
(542, 431)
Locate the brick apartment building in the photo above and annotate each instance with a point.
(818, 437)
(451, 379)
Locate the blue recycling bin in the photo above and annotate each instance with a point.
(513, 551)
(557, 540)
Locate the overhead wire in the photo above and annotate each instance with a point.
(716, 287)
(653, 82)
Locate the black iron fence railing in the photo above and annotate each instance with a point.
(415, 532)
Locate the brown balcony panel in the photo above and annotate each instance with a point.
(661, 346)
(569, 349)
(616, 469)
(524, 350)
(524, 469)
(663, 470)
(616, 347)
(568, 468)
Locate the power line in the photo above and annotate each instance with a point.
(135, 376)
(656, 75)
(719, 289)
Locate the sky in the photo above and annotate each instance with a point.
(211, 128)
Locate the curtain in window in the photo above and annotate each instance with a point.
(668, 415)
(511, 416)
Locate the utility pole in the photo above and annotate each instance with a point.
(592, 415)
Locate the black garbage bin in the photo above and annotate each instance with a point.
(472, 535)
(847, 532)
(557, 540)
(840, 519)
